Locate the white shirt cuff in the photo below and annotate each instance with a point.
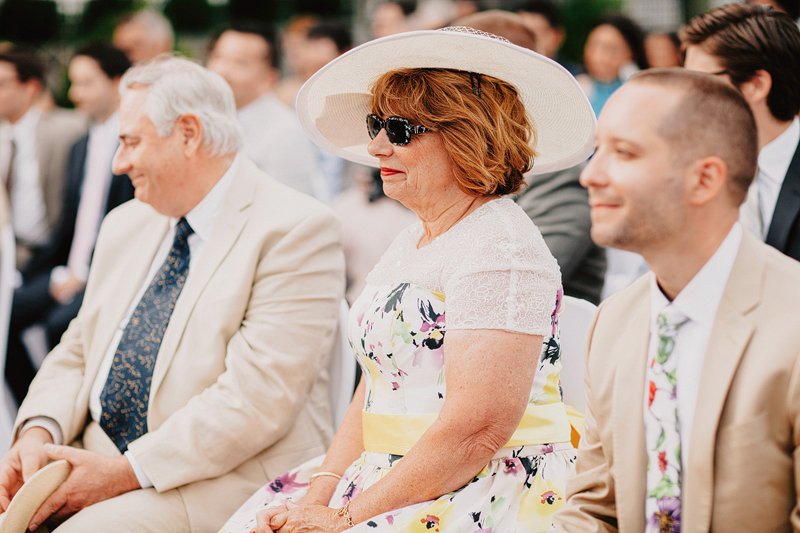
(58, 275)
(144, 481)
(49, 425)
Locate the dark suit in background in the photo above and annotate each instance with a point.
(559, 207)
(32, 301)
(784, 229)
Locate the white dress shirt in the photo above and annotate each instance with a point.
(28, 212)
(97, 176)
(699, 301)
(275, 141)
(202, 219)
(773, 164)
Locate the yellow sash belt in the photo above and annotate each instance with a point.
(396, 434)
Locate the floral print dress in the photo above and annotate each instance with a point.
(492, 270)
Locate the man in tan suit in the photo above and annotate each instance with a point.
(194, 371)
(693, 372)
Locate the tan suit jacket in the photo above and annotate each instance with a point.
(239, 391)
(744, 459)
(58, 130)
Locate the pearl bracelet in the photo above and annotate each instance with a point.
(312, 477)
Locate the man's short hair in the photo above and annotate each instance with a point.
(408, 7)
(503, 24)
(158, 26)
(264, 31)
(179, 87)
(113, 61)
(749, 38)
(711, 119)
(333, 30)
(545, 8)
(27, 62)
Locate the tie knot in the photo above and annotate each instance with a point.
(183, 229)
(669, 320)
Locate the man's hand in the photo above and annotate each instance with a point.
(94, 478)
(65, 290)
(22, 461)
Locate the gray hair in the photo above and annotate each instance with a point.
(179, 87)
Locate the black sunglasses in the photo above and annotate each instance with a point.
(398, 129)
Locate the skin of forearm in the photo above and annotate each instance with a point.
(411, 480)
(483, 407)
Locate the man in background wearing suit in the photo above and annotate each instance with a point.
(757, 50)
(54, 278)
(36, 150)
(195, 369)
(692, 373)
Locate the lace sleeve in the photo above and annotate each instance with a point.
(509, 281)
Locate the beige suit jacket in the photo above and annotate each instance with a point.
(58, 130)
(744, 453)
(240, 390)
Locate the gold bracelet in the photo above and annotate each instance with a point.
(312, 477)
(344, 512)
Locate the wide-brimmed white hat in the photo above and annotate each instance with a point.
(333, 104)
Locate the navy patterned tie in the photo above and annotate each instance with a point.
(126, 394)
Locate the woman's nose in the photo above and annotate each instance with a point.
(380, 145)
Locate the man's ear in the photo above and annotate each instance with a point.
(757, 88)
(190, 130)
(709, 179)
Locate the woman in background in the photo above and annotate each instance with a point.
(614, 51)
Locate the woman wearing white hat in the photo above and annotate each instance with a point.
(458, 424)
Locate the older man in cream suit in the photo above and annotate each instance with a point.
(693, 372)
(194, 371)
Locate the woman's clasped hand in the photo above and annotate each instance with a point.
(300, 518)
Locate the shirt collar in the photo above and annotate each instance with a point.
(774, 159)
(110, 126)
(26, 126)
(201, 217)
(700, 298)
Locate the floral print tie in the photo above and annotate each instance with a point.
(126, 394)
(662, 429)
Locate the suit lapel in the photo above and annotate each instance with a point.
(627, 412)
(787, 208)
(230, 220)
(137, 257)
(728, 340)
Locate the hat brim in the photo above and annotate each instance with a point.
(31, 495)
(332, 105)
